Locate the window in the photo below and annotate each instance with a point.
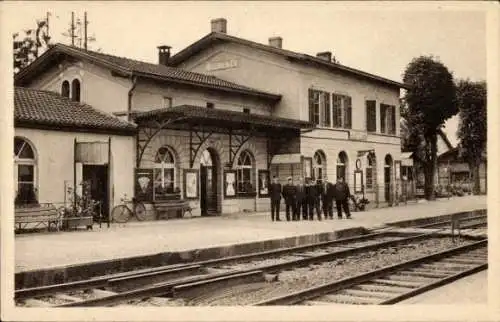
(210, 105)
(246, 110)
(342, 111)
(388, 119)
(371, 116)
(319, 165)
(319, 107)
(342, 165)
(245, 173)
(167, 102)
(75, 90)
(65, 89)
(164, 171)
(370, 170)
(24, 175)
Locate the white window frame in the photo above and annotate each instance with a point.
(162, 165)
(24, 161)
(241, 167)
(319, 166)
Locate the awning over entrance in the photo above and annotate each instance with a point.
(406, 159)
(197, 115)
(202, 122)
(286, 158)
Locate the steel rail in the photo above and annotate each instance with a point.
(167, 289)
(315, 292)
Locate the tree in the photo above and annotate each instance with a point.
(471, 100)
(431, 100)
(28, 48)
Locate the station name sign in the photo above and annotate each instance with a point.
(232, 63)
(358, 135)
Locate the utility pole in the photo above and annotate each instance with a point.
(85, 23)
(73, 28)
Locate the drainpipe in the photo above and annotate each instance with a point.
(130, 93)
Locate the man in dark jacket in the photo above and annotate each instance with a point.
(301, 200)
(275, 195)
(289, 191)
(342, 193)
(327, 194)
(313, 195)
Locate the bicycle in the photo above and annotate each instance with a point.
(122, 213)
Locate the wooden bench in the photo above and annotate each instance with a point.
(46, 215)
(164, 206)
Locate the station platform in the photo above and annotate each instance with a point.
(58, 249)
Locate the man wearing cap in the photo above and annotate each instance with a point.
(300, 200)
(275, 195)
(327, 193)
(342, 194)
(289, 191)
(313, 199)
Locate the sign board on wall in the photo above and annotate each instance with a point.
(358, 135)
(358, 181)
(144, 184)
(227, 64)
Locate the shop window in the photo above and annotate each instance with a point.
(25, 172)
(370, 170)
(342, 165)
(319, 165)
(75, 90)
(245, 173)
(65, 89)
(164, 171)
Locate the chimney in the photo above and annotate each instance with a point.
(326, 55)
(219, 25)
(163, 55)
(276, 42)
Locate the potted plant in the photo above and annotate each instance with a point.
(80, 212)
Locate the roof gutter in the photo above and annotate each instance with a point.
(130, 94)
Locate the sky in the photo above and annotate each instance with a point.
(376, 38)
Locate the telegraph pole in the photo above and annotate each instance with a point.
(73, 28)
(85, 23)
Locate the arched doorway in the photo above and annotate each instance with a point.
(387, 178)
(209, 183)
(319, 165)
(342, 166)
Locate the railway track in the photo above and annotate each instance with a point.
(465, 223)
(394, 283)
(171, 281)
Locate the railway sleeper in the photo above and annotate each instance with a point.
(422, 273)
(367, 294)
(442, 272)
(463, 261)
(381, 288)
(348, 299)
(36, 303)
(66, 297)
(407, 284)
(440, 266)
(401, 277)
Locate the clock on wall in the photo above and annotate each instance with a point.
(358, 164)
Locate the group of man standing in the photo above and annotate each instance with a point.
(306, 198)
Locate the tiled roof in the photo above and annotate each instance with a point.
(201, 114)
(134, 67)
(36, 107)
(215, 37)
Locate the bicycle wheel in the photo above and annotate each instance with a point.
(121, 214)
(140, 211)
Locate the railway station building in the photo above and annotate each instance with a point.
(213, 123)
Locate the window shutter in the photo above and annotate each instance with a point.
(383, 109)
(326, 108)
(371, 116)
(393, 120)
(347, 112)
(337, 112)
(311, 105)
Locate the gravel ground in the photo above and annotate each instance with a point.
(314, 275)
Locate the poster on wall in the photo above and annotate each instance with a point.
(144, 184)
(307, 162)
(230, 183)
(358, 181)
(397, 169)
(190, 184)
(263, 183)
